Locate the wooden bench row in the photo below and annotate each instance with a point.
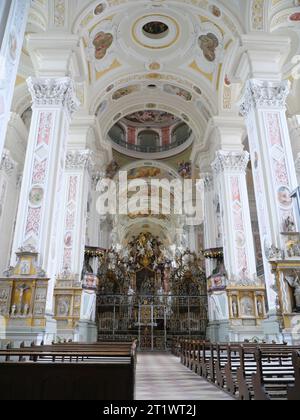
(246, 370)
(69, 371)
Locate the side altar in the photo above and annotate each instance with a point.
(23, 295)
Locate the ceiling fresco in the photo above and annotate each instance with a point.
(150, 117)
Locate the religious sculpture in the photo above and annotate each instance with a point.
(274, 253)
(235, 311)
(289, 225)
(294, 283)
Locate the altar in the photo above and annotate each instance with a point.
(145, 295)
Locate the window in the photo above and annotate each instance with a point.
(149, 139)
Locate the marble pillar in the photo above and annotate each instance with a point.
(13, 26)
(239, 256)
(294, 126)
(39, 213)
(264, 108)
(8, 202)
(75, 202)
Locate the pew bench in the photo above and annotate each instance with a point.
(293, 391)
(68, 373)
(275, 374)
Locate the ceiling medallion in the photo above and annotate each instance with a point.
(155, 31)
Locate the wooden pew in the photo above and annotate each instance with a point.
(293, 392)
(66, 372)
(231, 366)
(274, 374)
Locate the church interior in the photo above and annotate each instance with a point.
(187, 286)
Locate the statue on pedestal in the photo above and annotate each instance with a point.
(294, 282)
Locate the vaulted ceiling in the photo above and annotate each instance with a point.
(176, 56)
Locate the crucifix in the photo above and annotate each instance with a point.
(22, 289)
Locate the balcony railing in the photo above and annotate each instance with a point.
(152, 149)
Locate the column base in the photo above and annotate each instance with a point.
(218, 331)
(272, 328)
(87, 332)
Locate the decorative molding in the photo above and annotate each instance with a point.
(264, 94)
(79, 159)
(257, 15)
(60, 92)
(230, 161)
(7, 164)
(59, 13)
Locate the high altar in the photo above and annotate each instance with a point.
(143, 294)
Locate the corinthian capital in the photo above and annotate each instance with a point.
(79, 159)
(230, 161)
(54, 91)
(263, 94)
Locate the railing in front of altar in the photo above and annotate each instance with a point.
(154, 320)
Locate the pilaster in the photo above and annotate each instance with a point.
(294, 126)
(54, 103)
(273, 166)
(10, 53)
(230, 169)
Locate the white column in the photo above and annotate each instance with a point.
(273, 165)
(13, 36)
(39, 211)
(294, 125)
(212, 225)
(75, 198)
(8, 198)
(239, 256)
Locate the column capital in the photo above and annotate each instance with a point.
(230, 161)
(53, 92)
(7, 164)
(79, 159)
(263, 94)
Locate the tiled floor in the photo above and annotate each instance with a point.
(161, 376)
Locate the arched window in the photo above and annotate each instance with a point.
(180, 133)
(148, 139)
(117, 133)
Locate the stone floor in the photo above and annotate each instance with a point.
(161, 376)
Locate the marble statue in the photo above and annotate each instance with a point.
(294, 283)
(289, 225)
(234, 309)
